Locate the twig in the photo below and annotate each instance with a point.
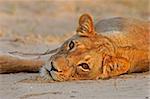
(14, 40)
(45, 53)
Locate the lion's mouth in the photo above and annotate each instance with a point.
(53, 72)
(49, 73)
(53, 68)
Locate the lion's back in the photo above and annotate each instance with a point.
(125, 31)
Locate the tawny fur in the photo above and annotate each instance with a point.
(110, 48)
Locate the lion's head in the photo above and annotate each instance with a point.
(80, 57)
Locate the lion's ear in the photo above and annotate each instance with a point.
(86, 27)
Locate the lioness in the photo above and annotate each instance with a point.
(112, 47)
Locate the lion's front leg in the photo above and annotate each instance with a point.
(114, 66)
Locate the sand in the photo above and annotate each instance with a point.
(26, 86)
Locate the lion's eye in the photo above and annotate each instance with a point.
(71, 45)
(85, 66)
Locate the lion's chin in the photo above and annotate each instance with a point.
(44, 73)
(55, 76)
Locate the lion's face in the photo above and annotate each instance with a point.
(80, 57)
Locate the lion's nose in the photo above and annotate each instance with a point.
(53, 68)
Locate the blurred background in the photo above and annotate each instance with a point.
(49, 21)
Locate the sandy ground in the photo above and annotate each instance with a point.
(39, 25)
(28, 86)
(25, 86)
